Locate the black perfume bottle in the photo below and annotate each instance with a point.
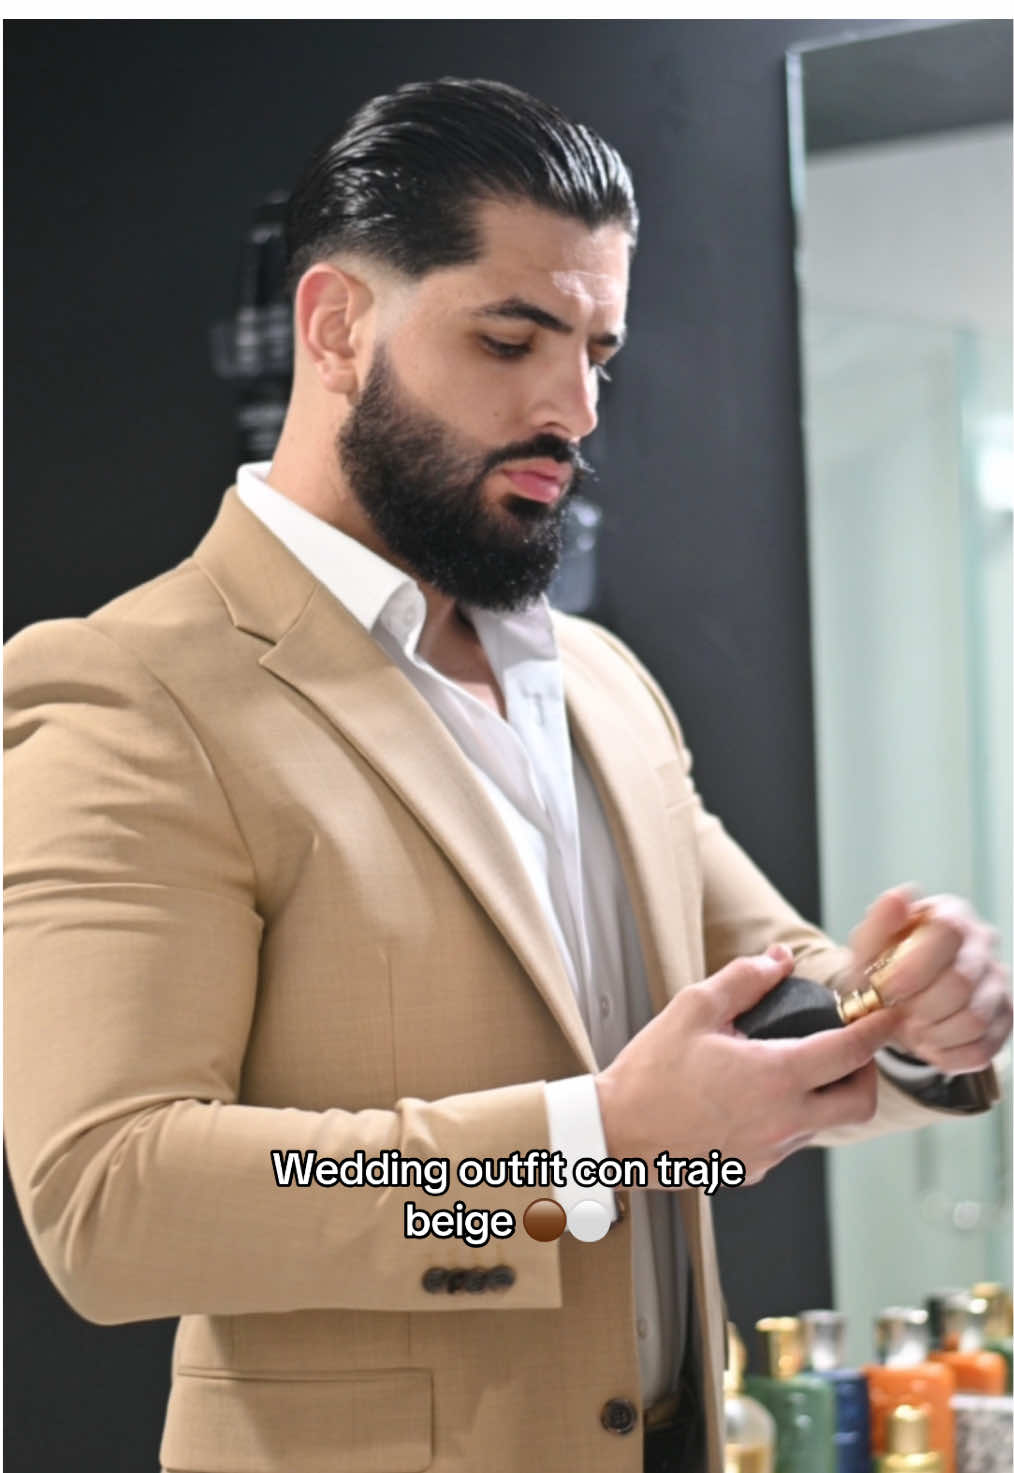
(793, 1009)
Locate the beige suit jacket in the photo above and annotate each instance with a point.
(258, 900)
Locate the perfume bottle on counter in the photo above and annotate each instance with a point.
(962, 1346)
(908, 1443)
(823, 1333)
(984, 1433)
(905, 1375)
(749, 1427)
(999, 1324)
(801, 1403)
(935, 1313)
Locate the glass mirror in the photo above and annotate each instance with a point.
(900, 163)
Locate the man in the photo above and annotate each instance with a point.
(333, 840)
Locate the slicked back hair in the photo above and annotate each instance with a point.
(401, 182)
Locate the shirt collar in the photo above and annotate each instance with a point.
(360, 579)
(376, 592)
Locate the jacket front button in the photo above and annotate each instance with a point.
(499, 1277)
(619, 1415)
(434, 1280)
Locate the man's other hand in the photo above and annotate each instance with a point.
(948, 994)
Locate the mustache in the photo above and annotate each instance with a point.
(541, 447)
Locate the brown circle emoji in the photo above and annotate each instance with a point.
(544, 1220)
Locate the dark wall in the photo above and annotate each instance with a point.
(135, 153)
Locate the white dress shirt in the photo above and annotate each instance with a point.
(551, 809)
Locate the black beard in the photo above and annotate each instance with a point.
(422, 491)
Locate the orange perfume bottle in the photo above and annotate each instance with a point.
(904, 1376)
(962, 1346)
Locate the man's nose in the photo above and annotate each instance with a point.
(569, 405)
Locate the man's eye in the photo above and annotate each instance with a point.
(506, 350)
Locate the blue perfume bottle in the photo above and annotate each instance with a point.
(823, 1333)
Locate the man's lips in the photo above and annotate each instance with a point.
(540, 484)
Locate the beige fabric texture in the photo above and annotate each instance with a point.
(257, 899)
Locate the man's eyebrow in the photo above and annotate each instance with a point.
(518, 309)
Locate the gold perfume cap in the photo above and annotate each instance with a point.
(823, 1337)
(853, 1005)
(783, 1351)
(908, 1442)
(908, 1430)
(901, 1336)
(999, 1311)
(735, 1362)
(876, 990)
(963, 1322)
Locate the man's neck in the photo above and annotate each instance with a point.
(326, 496)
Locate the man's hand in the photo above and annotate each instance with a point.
(949, 995)
(688, 1082)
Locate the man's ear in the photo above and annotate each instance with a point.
(333, 321)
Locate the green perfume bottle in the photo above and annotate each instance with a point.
(801, 1403)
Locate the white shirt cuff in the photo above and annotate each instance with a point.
(575, 1128)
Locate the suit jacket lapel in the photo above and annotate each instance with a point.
(317, 647)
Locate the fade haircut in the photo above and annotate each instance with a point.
(401, 182)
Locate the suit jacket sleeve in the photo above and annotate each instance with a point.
(743, 914)
(131, 965)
